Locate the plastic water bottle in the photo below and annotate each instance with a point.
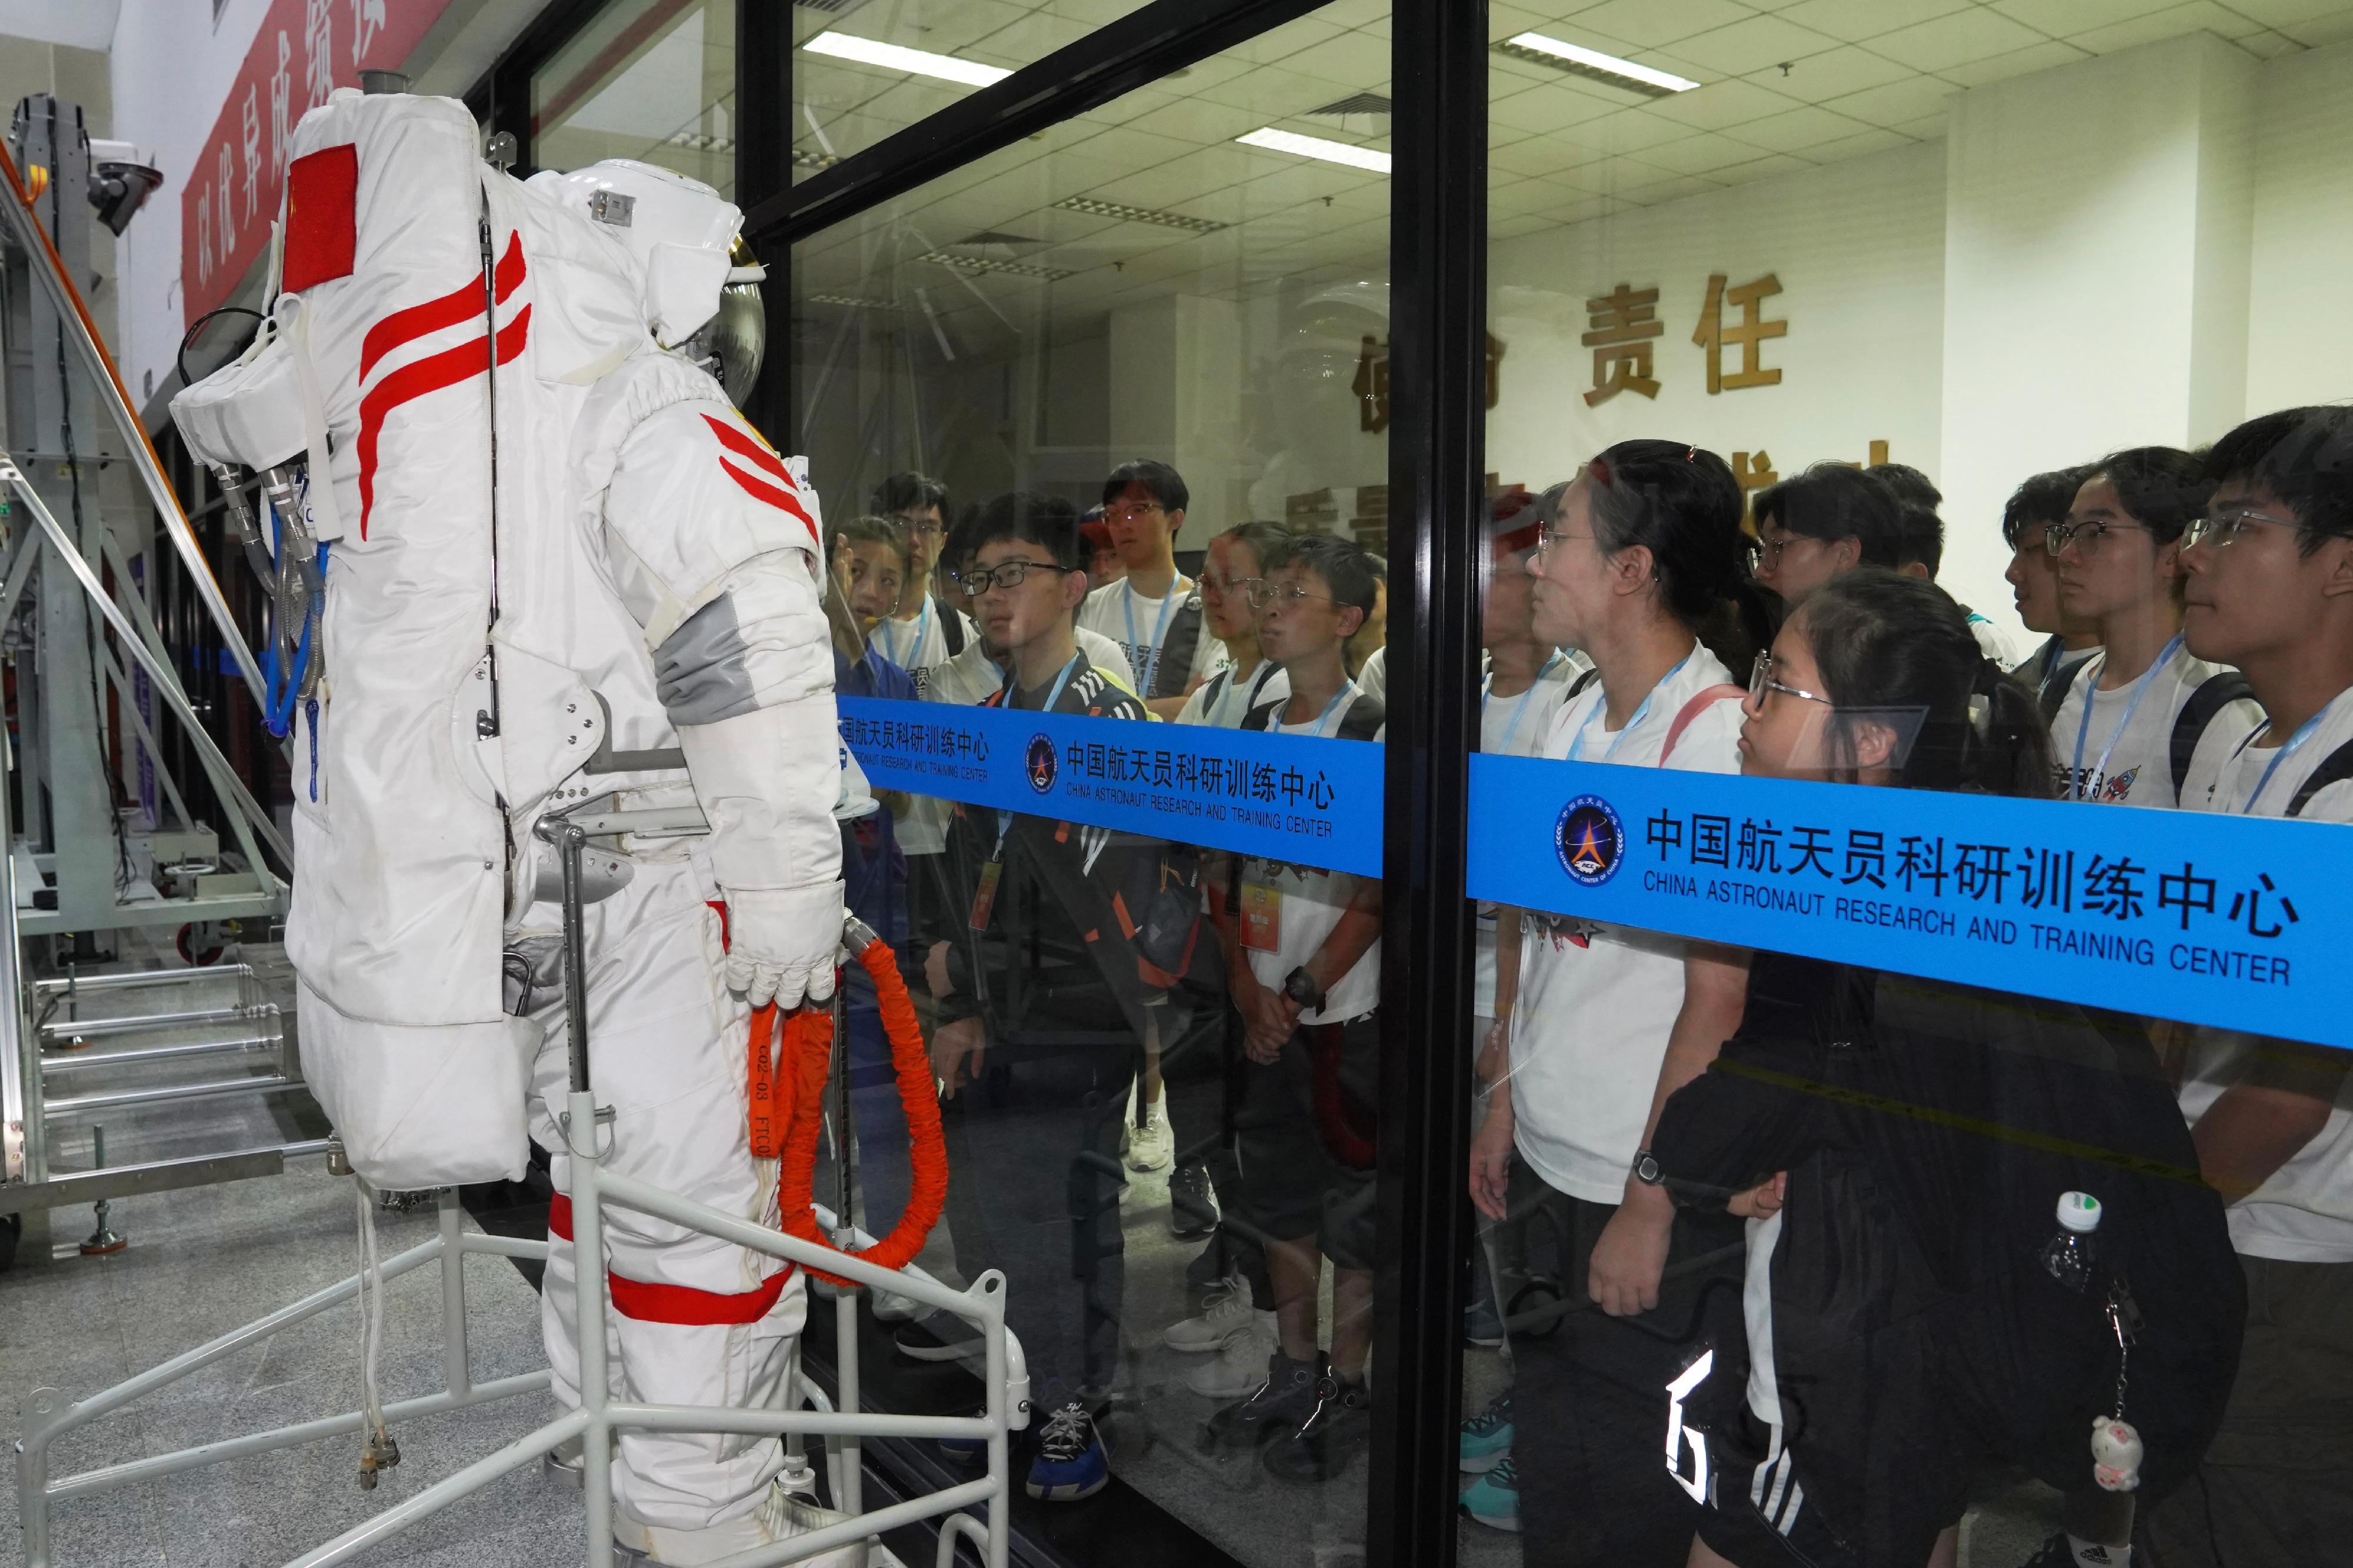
(2068, 1256)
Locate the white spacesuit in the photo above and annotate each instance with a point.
(536, 578)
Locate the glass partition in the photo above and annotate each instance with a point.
(1099, 425)
(649, 79)
(1908, 1072)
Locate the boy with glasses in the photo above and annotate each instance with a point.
(2131, 720)
(924, 631)
(1154, 612)
(2033, 578)
(1829, 520)
(2269, 589)
(1041, 989)
(1303, 968)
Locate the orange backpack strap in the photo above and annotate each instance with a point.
(1691, 711)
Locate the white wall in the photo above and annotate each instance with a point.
(2300, 329)
(1859, 248)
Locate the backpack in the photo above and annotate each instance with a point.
(2216, 693)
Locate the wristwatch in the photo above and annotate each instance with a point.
(1300, 987)
(1646, 1169)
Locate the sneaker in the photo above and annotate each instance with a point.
(1340, 1425)
(1239, 1364)
(1071, 1462)
(1153, 1145)
(1208, 1269)
(1494, 1499)
(1487, 1436)
(1192, 1203)
(780, 1516)
(1482, 1326)
(567, 1461)
(942, 1336)
(889, 1307)
(2060, 1552)
(1227, 1309)
(1281, 1403)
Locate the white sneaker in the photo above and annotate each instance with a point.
(1153, 1146)
(780, 1516)
(1228, 1308)
(889, 1307)
(1241, 1363)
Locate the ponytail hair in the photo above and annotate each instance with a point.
(1681, 504)
(1893, 645)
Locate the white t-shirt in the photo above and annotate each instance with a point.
(1515, 726)
(2134, 765)
(918, 645)
(1312, 901)
(2304, 1214)
(1174, 625)
(1990, 642)
(1223, 702)
(1373, 680)
(1597, 1002)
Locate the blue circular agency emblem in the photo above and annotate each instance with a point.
(1040, 763)
(1589, 840)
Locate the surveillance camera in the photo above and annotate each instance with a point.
(121, 176)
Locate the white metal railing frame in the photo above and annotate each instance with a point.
(591, 1187)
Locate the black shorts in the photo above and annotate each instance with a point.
(1758, 1515)
(1306, 1134)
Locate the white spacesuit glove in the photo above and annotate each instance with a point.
(767, 780)
(782, 943)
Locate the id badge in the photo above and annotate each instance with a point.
(984, 897)
(1261, 917)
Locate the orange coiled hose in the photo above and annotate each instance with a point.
(792, 1101)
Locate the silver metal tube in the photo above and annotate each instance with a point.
(845, 1378)
(204, 1454)
(83, 1104)
(23, 1133)
(66, 297)
(465, 1483)
(60, 1028)
(82, 1061)
(490, 1246)
(457, 1366)
(960, 1526)
(769, 1423)
(165, 680)
(647, 822)
(912, 1512)
(138, 979)
(570, 839)
(589, 1176)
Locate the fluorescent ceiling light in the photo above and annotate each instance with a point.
(1291, 142)
(1594, 63)
(915, 62)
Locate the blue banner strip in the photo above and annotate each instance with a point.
(2237, 921)
(1294, 798)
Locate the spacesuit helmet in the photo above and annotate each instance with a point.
(686, 240)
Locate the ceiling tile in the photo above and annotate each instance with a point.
(1929, 128)
(1756, 44)
(1763, 168)
(1518, 227)
(1719, 104)
(1628, 130)
(2287, 13)
(2268, 43)
(1830, 75)
(1856, 146)
(2171, 22)
(1955, 41)
(2320, 30)
(2058, 18)
(1896, 103)
(2018, 62)
(1650, 23)
(1699, 154)
(1553, 107)
(1855, 20)
(1796, 129)
(1672, 190)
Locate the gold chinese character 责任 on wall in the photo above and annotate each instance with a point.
(1624, 321)
(1747, 334)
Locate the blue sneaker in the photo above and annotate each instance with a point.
(1487, 1436)
(1494, 1499)
(1071, 1462)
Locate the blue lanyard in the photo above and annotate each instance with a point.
(1337, 697)
(1520, 711)
(922, 630)
(1151, 664)
(2083, 729)
(1217, 713)
(1578, 741)
(2303, 732)
(1005, 818)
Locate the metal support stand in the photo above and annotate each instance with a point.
(594, 1424)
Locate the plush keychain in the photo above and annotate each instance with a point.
(2115, 1453)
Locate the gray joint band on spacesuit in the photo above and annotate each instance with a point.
(701, 673)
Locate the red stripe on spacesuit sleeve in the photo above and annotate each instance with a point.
(459, 304)
(744, 446)
(760, 490)
(677, 1304)
(414, 380)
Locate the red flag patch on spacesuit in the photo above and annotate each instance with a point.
(747, 446)
(434, 372)
(321, 216)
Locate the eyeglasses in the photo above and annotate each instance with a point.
(1769, 551)
(931, 526)
(1549, 541)
(1221, 586)
(2090, 535)
(2223, 529)
(1266, 595)
(1761, 682)
(1133, 511)
(1005, 574)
